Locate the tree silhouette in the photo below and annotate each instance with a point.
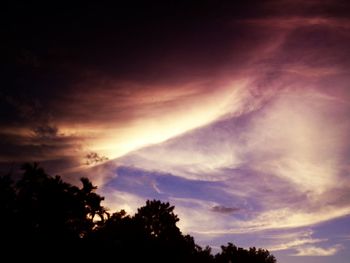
(231, 253)
(51, 208)
(7, 208)
(43, 215)
(158, 220)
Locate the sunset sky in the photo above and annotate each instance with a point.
(236, 113)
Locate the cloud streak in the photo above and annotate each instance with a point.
(278, 161)
(318, 251)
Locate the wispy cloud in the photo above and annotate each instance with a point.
(302, 243)
(278, 162)
(292, 240)
(293, 21)
(318, 251)
(224, 209)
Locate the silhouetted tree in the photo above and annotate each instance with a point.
(118, 234)
(7, 208)
(158, 220)
(231, 253)
(43, 215)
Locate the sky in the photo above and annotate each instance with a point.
(236, 113)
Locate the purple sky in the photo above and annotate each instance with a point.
(238, 114)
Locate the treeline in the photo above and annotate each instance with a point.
(46, 219)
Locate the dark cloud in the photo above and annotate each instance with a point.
(84, 64)
(224, 209)
(55, 54)
(95, 158)
(34, 146)
(320, 45)
(45, 131)
(154, 41)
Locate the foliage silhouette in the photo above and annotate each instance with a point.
(231, 253)
(42, 215)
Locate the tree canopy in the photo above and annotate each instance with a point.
(44, 217)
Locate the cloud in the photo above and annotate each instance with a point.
(318, 251)
(293, 21)
(45, 131)
(302, 243)
(292, 240)
(197, 217)
(224, 209)
(95, 158)
(239, 118)
(278, 162)
(346, 237)
(120, 200)
(133, 115)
